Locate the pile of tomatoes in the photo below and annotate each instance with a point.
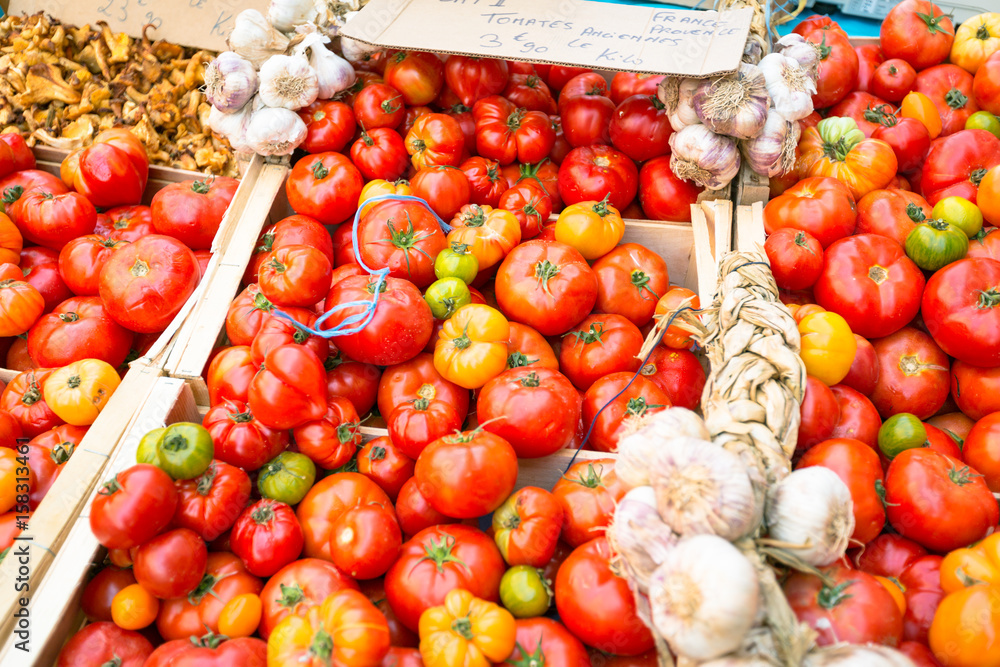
(880, 248)
(84, 292)
(273, 528)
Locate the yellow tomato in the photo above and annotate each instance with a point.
(592, 227)
(241, 616)
(978, 564)
(919, 106)
(134, 608)
(960, 212)
(78, 392)
(676, 337)
(965, 631)
(488, 232)
(9, 472)
(380, 187)
(988, 200)
(976, 40)
(828, 346)
(472, 347)
(466, 632)
(895, 590)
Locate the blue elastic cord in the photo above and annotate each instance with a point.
(356, 322)
(593, 422)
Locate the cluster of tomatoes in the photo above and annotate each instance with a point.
(84, 292)
(274, 529)
(881, 251)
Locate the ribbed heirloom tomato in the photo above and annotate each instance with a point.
(821, 206)
(302, 584)
(192, 211)
(78, 328)
(588, 493)
(961, 310)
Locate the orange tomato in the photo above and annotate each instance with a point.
(979, 564)
(895, 589)
(20, 306)
(490, 233)
(837, 148)
(8, 480)
(472, 347)
(676, 337)
(988, 199)
(919, 106)
(241, 616)
(11, 241)
(134, 608)
(965, 631)
(594, 228)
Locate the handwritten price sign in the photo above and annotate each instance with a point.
(199, 23)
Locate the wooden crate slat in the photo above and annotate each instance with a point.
(750, 228)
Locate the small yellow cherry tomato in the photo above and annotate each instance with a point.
(134, 608)
(380, 187)
(828, 346)
(592, 227)
(241, 616)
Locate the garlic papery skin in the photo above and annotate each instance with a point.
(230, 81)
(772, 153)
(636, 450)
(677, 94)
(333, 73)
(356, 52)
(801, 51)
(811, 507)
(286, 14)
(854, 655)
(735, 104)
(233, 126)
(254, 38)
(788, 85)
(703, 489)
(639, 537)
(288, 82)
(275, 131)
(697, 154)
(704, 597)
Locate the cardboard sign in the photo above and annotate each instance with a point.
(649, 40)
(199, 23)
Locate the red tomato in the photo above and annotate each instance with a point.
(862, 108)
(871, 283)
(982, 450)
(864, 372)
(869, 59)
(53, 220)
(921, 582)
(378, 105)
(146, 283)
(819, 412)
(126, 223)
(133, 507)
(101, 590)
(891, 213)
(938, 501)
(399, 329)
(838, 67)
(908, 139)
(446, 189)
(293, 230)
(530, 203)
(678, 373)
(855, 609)
(893, 79)
(913, 374)
(586, 119)
(508, 134)
(110, 172)
(229, 374)
(588, 493)
(240, 440)
(975, 390)
(593, 172)
(435, 140)
(81, 261)
(596, 605)
(78, 328)
(528, 91)
(40, 267)
(600, 345)
(417, 378)
(403, 236)
(985, 86)
(22, 399)
(796, 258)
(859, 467)
(104, 642)
(486, 182)
(888, 555)
(385, 464)
(626, 84)
(985, 244)
(918, 653)
(662, 194)
(325, 186)
(245, 651)
(619, 404)
(295, 275)
(959, 310)
(414, 512)
(380, 153)
(329, 126)
(950, 89)
(818, 22)
(415, 424)
(821, 206)
(297, 587)
(547, 642)
(918, 32)
(474, 78)
(355, 381)
(332, 440)
(210, 503)
(437, 560)
(192, 211)
(956, 163)
(19, 156)
(289, 389)
(171, 564)
(276, 331)
(640, 128)
(630, 280)
(267, 537)
(467, 474)
(417, 75)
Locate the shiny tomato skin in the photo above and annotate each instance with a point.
(981, 449)
(40, 266)
(415, 512)
(950, 89)
(628, 84)
(586, 119)
(404, 237)
(975, 390)
(171, 564)
(664, 196)
(325, 186)
(838, 68)
(133, 507)
(819, 412)
(81, 261)
(192, 211)
(329, 126)
(551, 641)
(378, 105)
(353, 380)
(892, 213)
(641, 397)
(103, 642)
(678, 373)
(380, 153)
(954, 164)
(921, 581)
(467, 475)
(920, 41)
(417, 378)
(417, 75)
(888, 555)
(210, 503)
(588, 493)
(99, 591)
(78, 328)
(858, 417)
(796, 258)
(302, 584)
(959, 312)
(913, 374)
(229, 374)
(864, 372)
(293, 230)
(630, 280)
(640, 128)
(266, 536)
(446, 189)
(593, 172)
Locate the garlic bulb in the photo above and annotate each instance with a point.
(789, 86)
(639, 535)
(636, 450)
(286, 14)
(772, 153)
(254, 38)
(356, 52)
(735, 104)
(703, 489)
(288, 82)
(333, 73)
(811, 507)
(677, 94)
(275, 131)
(230, 81)
(853, 655)
(233, 126)
(697, 154)
(801, 51)
(704, 597)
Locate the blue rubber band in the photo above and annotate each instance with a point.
(356, 322)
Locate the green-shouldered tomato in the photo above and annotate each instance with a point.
(901, 432)
(184, 450)
(934, 244)
(960, 212)
(287, 477)
(146, 451)
(456, 262)
(525, 591)
(446, 296)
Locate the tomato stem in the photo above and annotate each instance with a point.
(206, 480)
(831, 596)
(291, 596)
(591, 478)
(536, 659)
(530, 380)
(322, 646)
(988, 299)
(962, 476)
(201, 187)
(544, 272)
(591, 336)
(933, 22)
(441, 552)
(956, 99)
(319, 170)
(982, 32)
(915, 213)
(517, 359)
(376, 453)
(977, 175)
(263, 514)
(12, 194)
(348, 431)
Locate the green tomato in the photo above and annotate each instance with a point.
(960, 212)
(901, 432)
(184, 450)
(287, 477)
(146, 452)
(984, 120)
(936, 243)
(446, 296)
(456, 262)
(525, 591)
